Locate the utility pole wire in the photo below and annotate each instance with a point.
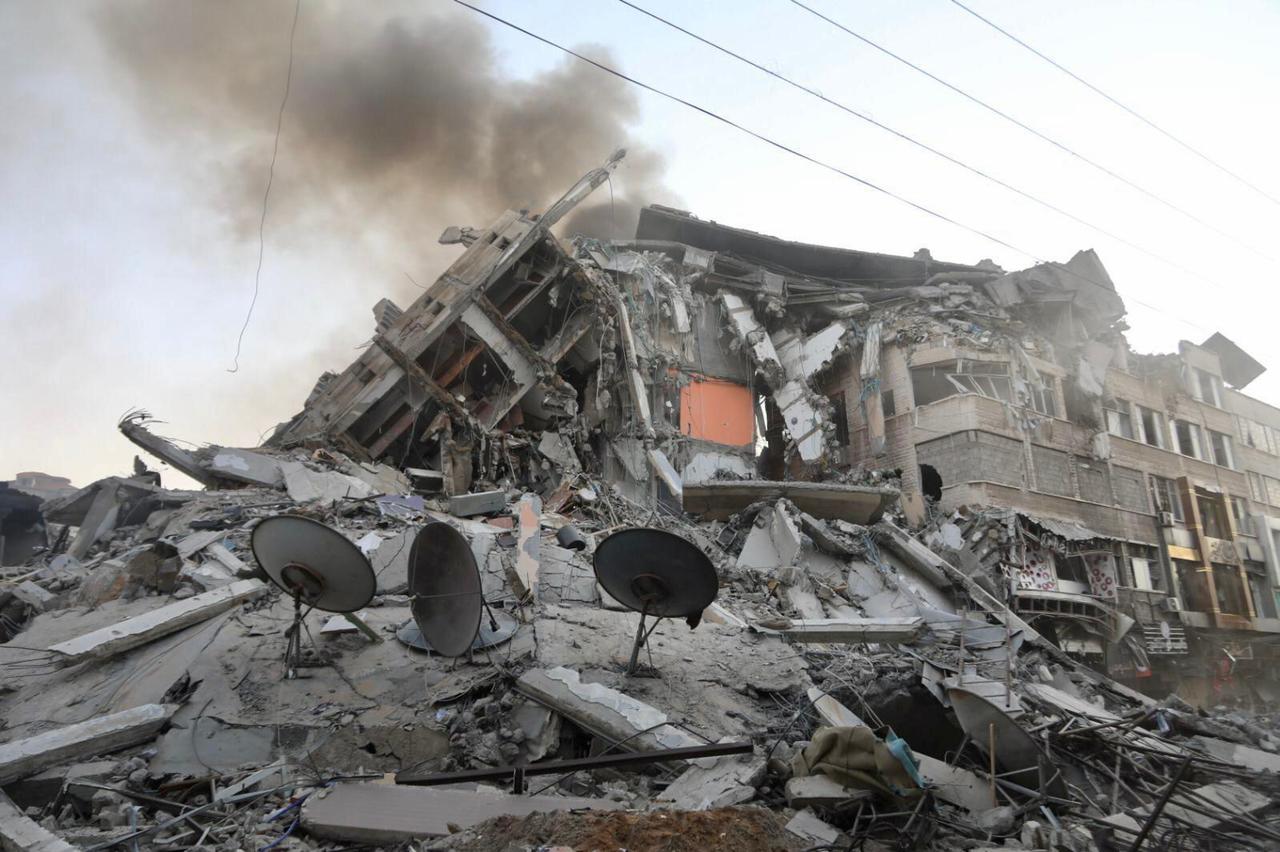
(1122, 106)
(806, 157)
(906, 138)
(271, 173)
(1029, 129)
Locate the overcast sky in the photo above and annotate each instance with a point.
(134, 147)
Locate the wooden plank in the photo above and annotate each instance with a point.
(141, 629)
(603, 711)
(388, 814)
(99, 735)
(848, 631)
(20, 833)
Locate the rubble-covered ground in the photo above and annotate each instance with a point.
(884, 694)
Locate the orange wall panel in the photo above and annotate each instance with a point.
(718, 411)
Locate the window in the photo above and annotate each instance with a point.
(939, 381)
(1164, 496)
(1187, 439)
(1213, 520)
(1044, 398)
(1206, 387)
(1119, 418)
(1240, 514)
(1152, 426)
(1258, 436)
(1257, 490)
(1144, 565)
(1221, 445)
(983, 377)
(887, 404)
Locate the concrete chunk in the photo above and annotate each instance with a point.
(480, 503)
(20, 833)
(99, 735)
(387, 814)
(150, 626)
(603, 711)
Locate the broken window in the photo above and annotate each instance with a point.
(939, 381)
(1152, 425)
(1164, 496)
(1119, 418)
(1187, 439)
(1213, 517)
(1206, 387)
(1144, 565)
(1221, 445)
(1044, 398)
(1240, 514)
(1258, 436)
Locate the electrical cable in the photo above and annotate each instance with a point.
(909, 139)
(1121, 105)
(271, 173)
(807, 158)
(1043, 136)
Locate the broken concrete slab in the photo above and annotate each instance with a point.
(324, 487)
(20, 833)
(832, 712)
(1239, 755)
(854, 631)
(479, 503)
(603, 711)
(149, 626)
(244, 466)
(99, 735)
(382, 814)
(774, 541)
(807, 826)
(821, 791)
(719, 500)
(714, 782)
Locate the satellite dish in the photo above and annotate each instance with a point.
(655, 573)
(444, 583)
(410, 634)
(315, 565)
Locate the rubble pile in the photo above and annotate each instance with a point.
(863, 680)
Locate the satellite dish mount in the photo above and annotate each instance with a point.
(315, 565)
(658, 574)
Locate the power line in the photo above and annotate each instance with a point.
(1029, 129)
(1122, 106)
(906, 138)
(803, 156)
(271, 173)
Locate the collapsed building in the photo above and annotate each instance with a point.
(978, 562)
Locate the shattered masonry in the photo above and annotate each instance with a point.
(958, 524)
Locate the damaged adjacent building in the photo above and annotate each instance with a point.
(964, 540)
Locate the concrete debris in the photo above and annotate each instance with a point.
(378, 814)
(949, 512)
(99, 735)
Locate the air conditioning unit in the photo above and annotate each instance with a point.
(1170, 605)
(1166, 519)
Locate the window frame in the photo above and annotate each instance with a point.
(1172, 497)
